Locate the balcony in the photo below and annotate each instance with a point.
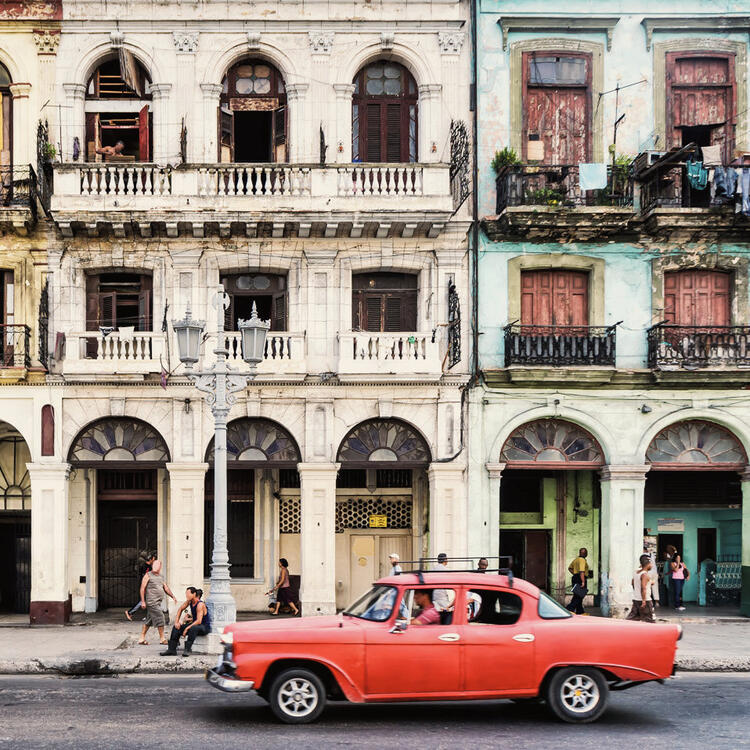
(284, 354)
(15, 346)
(398, 354)
(560, 346)
(18, 199)
(690, 348)
(252, 200)
(547, 201)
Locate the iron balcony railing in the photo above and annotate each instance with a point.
(558, 186)
(15, 341)
(559, 346)
(673, 347)
(18, 187)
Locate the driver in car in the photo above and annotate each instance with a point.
(428, 614)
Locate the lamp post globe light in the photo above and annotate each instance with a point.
(220, 382)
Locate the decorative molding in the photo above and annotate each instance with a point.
(558, 25)
(430, 90)
(160, 90)
(211, 90)
(688, 24)
(387, 40)
(116, 38)
(321, 42)
(344, 90)
(296, 91)
(495, 470)
(20, 90)
(613, 473)
(185, 41)
(75, 90)
(451, 42)
(253, 40)
(46, 41)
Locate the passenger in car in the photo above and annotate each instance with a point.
(428, 614)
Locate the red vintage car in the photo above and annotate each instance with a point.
(494, 637)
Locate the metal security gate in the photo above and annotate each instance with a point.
(127, 532)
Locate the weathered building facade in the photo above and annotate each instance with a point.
(613, 293)
(314, 163)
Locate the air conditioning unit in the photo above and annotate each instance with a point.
(646, 159)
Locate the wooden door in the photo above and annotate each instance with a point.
(8, 318)
(387, 545)
(143, 135)
(362, 564)
(536, 558)
(697, 298)
(554, 298)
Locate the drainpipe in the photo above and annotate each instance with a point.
(89, 602)
(474, 199)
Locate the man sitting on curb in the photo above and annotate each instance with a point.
(200, 624)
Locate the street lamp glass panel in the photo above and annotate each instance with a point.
(253, 333)
(189, 334)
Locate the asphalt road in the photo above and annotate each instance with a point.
(181, 711)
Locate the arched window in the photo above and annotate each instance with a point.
(253, 114)
(551, 442)
(384, 443)
(128, 121)
(384, 114)
(695, 444)
(6, 118)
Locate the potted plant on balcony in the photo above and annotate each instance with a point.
(509, 181)
(505, 158)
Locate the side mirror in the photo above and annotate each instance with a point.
(400, 626)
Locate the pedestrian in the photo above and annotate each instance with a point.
(148, 561)
(283, 588)
(666, 575)
(153, 588)
(395, 566)
(482, 565)
(680, 574)
(198, 622)
(642, 608)
(444, 599)
(579, 571)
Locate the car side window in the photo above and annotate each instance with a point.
(430, 606)
(492, 607)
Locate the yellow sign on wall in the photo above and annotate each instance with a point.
(378, 522)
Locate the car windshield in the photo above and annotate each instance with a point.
(549, 609)
(376, 604)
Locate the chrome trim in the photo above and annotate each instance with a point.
(449, 637)
(228, 684)
(524, 638)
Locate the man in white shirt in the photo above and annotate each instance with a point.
(395, 567)
(443, 599)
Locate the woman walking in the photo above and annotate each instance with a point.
(283, 588)
(679, 576)
(153, 588)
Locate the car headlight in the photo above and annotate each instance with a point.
(227, 638)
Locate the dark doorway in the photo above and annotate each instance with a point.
(252, 137)
(15, 562)
(664, 540)
(530, 552)
(127, 531)
(706, 545)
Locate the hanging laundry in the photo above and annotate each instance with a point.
(697, 174)
(592, 176)
(745, 182)
(711, 156)
(724, 184)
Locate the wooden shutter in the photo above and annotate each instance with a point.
(393, 312)
(145, 323)
(393, 146)
(373, 130)
(554, 298)
(107, 308)
(229, 315)
(278, 312)
(373, 312)
(48, 430)
(697, 298)
(92, 302)
(8, 312)
(279, 135)
(409, 311)
(93, 136)
(143, 135)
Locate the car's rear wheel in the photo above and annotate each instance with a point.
(577, 694)
(297, 696)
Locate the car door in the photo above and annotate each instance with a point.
(498, 642)
(420, 661)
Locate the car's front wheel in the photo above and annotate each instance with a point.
(577, 694)
(297, 696)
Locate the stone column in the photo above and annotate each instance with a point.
(185, 530)
(318, 537)
(621, 534)
(50, 595)
(211, 95)
(73, 117)
(165, 138)
(745, 593)
(47, 43)
(344, 94)
(24, 140)
(447, 509)
(299, 127)
(429, 122)
(491, 510)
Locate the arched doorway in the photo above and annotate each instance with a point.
(693, 500)
(549, 500)
(6, 119)
(15, 521)
(381, 501)
(121, 463)
(262, 458)
(253, 114)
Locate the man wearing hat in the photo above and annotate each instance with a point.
(395, 567)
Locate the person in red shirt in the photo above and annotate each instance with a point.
(428, 615)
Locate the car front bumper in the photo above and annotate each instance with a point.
(228, 683)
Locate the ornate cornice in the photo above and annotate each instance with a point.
(556, 24)
(46, 41)
(624, 473)
(699, 23)
(451, 42)
(321, 42)
(185, 41)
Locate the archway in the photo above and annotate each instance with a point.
(693, 501)
(15, 521)
(381, 501)
(549, 500)
(262, 458)
(123, 459)
(6, 119)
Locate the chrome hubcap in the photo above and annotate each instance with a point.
(579, 693)
(298, 697)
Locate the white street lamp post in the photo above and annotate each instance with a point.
(220, 383)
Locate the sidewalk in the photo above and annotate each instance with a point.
(105, 643)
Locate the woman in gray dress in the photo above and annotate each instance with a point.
(153, 588)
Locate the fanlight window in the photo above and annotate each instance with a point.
(384, 440)
(15, 483)
(258, 440)
(119, 439)
(6, 116)
(698, 445)
(551, 441)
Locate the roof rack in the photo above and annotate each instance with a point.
(460, 565)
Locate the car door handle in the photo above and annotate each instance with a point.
(524, 638)
(449, 637)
